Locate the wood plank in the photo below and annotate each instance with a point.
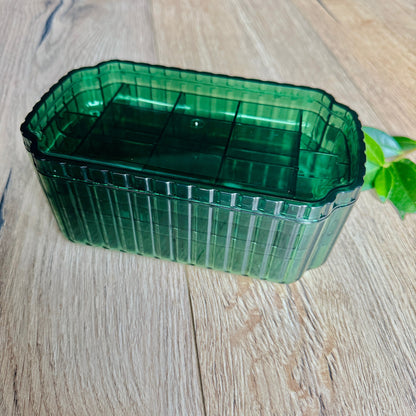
(336, 342)
(377, 59)
(89, 331)
(263, 40)
(83, 331)
(397, 16)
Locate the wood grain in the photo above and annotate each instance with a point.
(86, 331)
(326, 345)
(83, 331)
(373, 52)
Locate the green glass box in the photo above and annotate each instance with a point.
(249, 177)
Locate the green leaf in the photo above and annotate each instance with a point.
(373, 151)
(383, 183)
(405, 143)
(371, 170)
(397, 183)
(388, 144)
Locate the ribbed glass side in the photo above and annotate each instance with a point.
(203, 234)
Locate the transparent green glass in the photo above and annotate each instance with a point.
(250, 177)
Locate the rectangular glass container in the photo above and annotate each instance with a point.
(245, 176)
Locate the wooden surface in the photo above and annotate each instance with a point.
(86, 331)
